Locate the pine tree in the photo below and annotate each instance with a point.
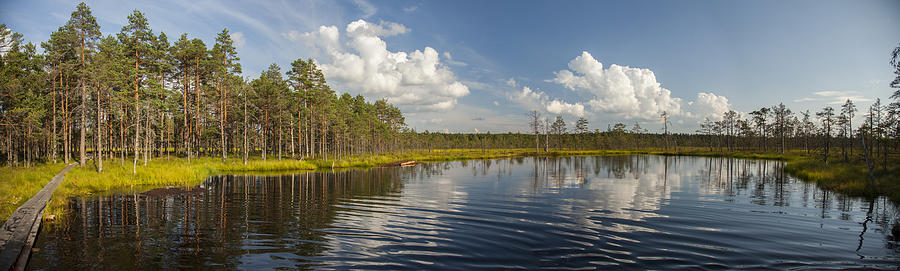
(136, 37)
(85, 26)
(107, 72)
(848, 110)
(224, 56)
(782, 116)
(60, 56)
(827, 118)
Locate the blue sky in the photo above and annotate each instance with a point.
(467, 65)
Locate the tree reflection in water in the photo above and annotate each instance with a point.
(458, 212)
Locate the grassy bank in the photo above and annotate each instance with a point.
(847, 177)
(850, 178)
(178, 172)
(117, 176)
(17, 185)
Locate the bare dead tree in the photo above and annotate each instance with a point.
(534, 122)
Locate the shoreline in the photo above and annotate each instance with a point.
(843, 177)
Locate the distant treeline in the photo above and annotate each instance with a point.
(828, 133)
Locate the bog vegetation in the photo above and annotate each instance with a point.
(126, 99)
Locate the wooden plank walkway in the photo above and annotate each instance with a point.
(18, 233)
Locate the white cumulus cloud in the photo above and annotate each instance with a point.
(709, 105)
(624, 91)
(325, 40)
(557, 107)
(538, 100)
(416, 81)
(362, 28)
(533, 100)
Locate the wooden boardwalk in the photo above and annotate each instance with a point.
(18, 233)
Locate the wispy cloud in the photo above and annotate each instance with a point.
(250, 21)
(449, 59)
(834, 97)
(366, 8)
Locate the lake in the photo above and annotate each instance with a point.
(609, 212)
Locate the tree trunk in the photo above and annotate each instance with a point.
(147, 144)
(280, 135)
(197, 103)
(137, 130)
(66, 129)
(782, 137)
(137, 120)
(245, 129)
(265, 147)
(309, 137)
(300, 130)
(162, 134)
(53, 142)
(169, 131)
(122, 132)
(222, 118)
(81, 148)
(186, 130)
(99, 148)
(26, 143)
(324, 133)
(292, 138)
(9, 147)
(850, 125)
(869, 166)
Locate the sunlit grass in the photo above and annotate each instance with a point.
(850, 178)
(18, 184)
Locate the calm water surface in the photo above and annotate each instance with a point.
(622, 212)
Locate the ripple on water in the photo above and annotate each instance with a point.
(623, 212)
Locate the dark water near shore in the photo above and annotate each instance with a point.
(620, 212)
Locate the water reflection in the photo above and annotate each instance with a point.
(225, 223)
(619, 211)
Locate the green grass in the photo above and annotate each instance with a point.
(19, 184)
(850, 178)
(81, 181)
